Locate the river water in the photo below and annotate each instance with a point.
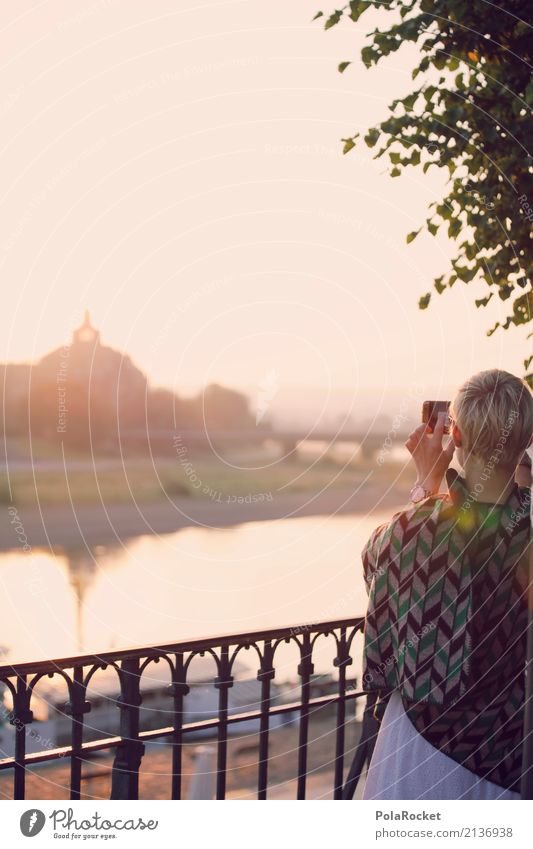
(193, 583)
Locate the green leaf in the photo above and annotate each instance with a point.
(465, 274)
(454, 228)
(409, 101)
(371, 137)
(368, 56)
(333, 19)
(423, 303)
(342, 67)
(412, 236)
(356, 9)
(348, 144)
(318, 15)
(505, 291)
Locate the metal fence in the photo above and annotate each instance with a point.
(129, 745)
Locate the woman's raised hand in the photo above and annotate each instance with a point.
(430, 456)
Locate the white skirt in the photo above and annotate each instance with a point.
(405, 766)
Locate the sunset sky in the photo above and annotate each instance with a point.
(179, 173)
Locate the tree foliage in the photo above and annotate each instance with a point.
(470, 113)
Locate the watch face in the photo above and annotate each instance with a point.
(418, 493)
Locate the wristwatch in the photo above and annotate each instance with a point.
(418, 493)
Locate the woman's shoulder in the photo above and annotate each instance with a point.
(416, 515)
(407, 522)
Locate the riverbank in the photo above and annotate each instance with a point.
(238, 477)
(79, 525)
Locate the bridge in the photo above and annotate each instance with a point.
(370, 442)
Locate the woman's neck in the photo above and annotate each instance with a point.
(492, 486)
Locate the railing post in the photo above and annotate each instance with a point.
(223, 682)
(342, 660)
(76, 708)
(305, 670)
(265, 675)
(365, 746)
(20, 717)
(125, 775)
(178, 690)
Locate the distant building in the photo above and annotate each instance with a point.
(86, 361)
(90, 395)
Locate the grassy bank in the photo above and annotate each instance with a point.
(206, 479)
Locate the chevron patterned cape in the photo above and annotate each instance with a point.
(446, 623)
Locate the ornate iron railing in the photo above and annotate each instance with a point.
(130, 664)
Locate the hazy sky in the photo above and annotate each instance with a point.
(176, 168)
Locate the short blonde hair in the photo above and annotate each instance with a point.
(494, 412)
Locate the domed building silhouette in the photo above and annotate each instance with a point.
(86, 391)
(87, 359)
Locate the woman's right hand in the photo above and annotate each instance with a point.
(431, 458)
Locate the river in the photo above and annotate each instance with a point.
(192, 583)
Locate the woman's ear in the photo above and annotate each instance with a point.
(456, 436)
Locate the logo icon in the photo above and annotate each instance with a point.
(266, 392)
(32, 822)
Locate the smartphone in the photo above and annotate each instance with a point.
(431, 410)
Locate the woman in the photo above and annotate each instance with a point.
(445, 632)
